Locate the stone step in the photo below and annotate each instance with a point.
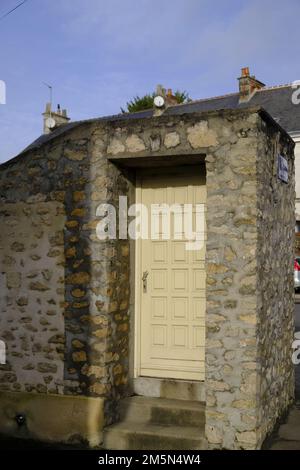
(140, 436)
(139, 409)
(168, 388)
(157, 424)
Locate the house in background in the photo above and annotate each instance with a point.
(142, 344)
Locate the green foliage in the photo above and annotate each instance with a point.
(139, 103)
(146, 102)
(182, 97)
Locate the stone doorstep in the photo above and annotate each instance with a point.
(169, 388)
(162, 411)
(157, 424)
(133, 436)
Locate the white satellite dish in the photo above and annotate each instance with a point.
(50, 123)
(159, 101)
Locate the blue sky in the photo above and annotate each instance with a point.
(97, 54)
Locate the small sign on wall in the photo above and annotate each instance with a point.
(283, 169)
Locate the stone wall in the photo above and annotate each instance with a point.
(74, 170)
(86, 341)
(231, 298)
(250, 217)
(35, 235)
(47, 320)
(32, 296)
(105, 367)
(274, 286)
(64, 293)
(296, 139)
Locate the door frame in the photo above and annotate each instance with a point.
(137, 289)
(138, 272)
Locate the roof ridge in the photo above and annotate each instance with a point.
(206, 99)
(274, 87)
(199, 100)
(265, 88)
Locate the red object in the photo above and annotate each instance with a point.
(245, 72)
(296, 265)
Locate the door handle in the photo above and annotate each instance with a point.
(144, 279)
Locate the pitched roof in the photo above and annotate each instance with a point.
(44, 138)
(277, 101)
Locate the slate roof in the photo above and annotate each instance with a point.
(277, 101)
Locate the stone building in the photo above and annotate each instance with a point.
(142, 344)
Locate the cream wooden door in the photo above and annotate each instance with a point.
(172, 302)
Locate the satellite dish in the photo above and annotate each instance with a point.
(50, 123)
(159, 101)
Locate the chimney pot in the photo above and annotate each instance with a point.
(245, 72)
(159, 90)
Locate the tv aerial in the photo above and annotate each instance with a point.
(50, 122)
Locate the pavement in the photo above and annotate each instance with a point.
(287, 436)
(297, 298)
(297, 368)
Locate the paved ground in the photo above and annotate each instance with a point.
(297, 298)
(297, 368)
(288, 434)
(7, 443)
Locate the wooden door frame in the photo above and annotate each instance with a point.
(137, 289)
(138, 270)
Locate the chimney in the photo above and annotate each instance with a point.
(54, 119)
(248, 85)
(169, 100)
